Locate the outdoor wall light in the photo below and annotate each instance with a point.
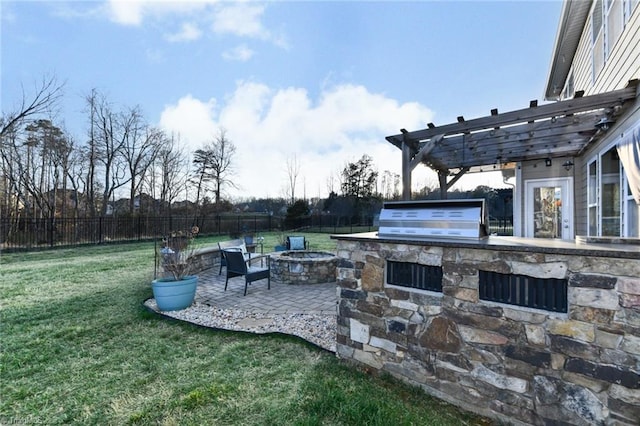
(567, 165)
(547, 162)
(604, 124)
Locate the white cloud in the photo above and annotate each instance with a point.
(240, 19)
(240, 53)
(126, 12)
(268, 126)
(192, 119)
(188, 32)
(133, 12)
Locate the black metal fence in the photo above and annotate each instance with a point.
(47, 233)
(58, 232)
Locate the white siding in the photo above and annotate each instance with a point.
(622, 65)
(623, 62)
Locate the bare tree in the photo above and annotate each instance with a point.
(32, 158)
(141, 145)
(47, 158)
(390, 185)
(90, 153)
(13, 146)
(109, 132)
(214, 163)
(332, 181)
(293, 170)
(47, 93)
(75, 173)
(169, 172)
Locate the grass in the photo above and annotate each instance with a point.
(317, 241)
(79, 348)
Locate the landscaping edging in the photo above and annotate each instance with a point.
(318, 330)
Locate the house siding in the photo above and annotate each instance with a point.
(622, 65)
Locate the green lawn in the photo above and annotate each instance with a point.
(79, 348)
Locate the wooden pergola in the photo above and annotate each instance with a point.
(560, 129)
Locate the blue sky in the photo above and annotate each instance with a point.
(324, 81)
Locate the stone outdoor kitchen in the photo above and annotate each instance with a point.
(529, 331)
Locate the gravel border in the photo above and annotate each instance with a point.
(319, 330)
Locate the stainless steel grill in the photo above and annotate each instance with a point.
(433, 219)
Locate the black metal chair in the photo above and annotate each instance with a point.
(238, 265)
(297, 243)
(231, 245)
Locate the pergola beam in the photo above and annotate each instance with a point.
(560, 129)
(424, 151)
(556, 109)
(508, 144)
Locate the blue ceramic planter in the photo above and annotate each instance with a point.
(172, 295)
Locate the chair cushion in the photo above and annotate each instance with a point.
(296, 243)
(254, 269)
(242, 247)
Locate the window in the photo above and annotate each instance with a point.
(592, 197)
(597, 39)
(569, 89)
(608, 19)
(632, 221)
(610, 194)
(612, 25)
(611, 208)
(628, 7)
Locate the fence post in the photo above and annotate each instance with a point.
(51, 224)
(100, 230)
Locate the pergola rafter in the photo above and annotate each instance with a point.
(559, 129)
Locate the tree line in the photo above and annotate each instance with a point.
(47, 173)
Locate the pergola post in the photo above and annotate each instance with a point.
(442, 178)
(406, 171)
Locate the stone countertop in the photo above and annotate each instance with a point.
(532, 245)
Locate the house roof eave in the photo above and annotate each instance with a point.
(573, 18)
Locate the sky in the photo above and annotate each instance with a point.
(321, 82)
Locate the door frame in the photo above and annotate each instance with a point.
(566, 185)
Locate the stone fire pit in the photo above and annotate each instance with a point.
(303, 267)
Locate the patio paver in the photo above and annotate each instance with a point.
(281, 299)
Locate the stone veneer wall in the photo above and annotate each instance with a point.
(515, 364)
(205, 258)
(295, 270)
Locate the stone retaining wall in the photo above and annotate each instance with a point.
(515, 364)
(205, 258)
(288, 269)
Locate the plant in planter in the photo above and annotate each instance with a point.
(282, 242)
(176, 288)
